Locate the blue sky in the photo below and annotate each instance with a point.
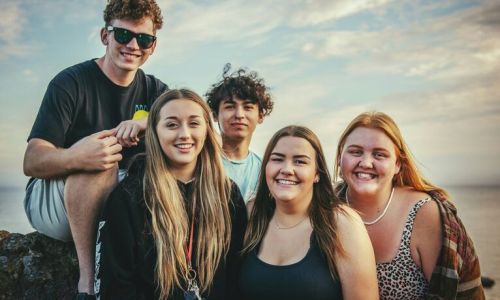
(434, 66)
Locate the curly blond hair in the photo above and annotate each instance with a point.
(134, 10)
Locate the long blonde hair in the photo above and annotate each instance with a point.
(169, 218)
(322, 210)
(409, 174)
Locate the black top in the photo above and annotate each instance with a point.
(125, 250)
(82, 100)
(307, 279)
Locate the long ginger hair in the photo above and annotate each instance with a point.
(169, 216)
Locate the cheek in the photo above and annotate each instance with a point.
(164, 137)
(269, 174)
(200, 135)
(345, 162)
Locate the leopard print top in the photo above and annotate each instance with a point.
(401, 278)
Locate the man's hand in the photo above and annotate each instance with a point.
(97, 152)
(127, 132)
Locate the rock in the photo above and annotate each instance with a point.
(487, 282)
(34, 266)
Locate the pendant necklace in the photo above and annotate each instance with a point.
(278, 226)
(381, 215)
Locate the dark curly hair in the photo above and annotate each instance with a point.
(133, 9)
(245, 86)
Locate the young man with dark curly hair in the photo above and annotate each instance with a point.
(87, 129)
(239, 102)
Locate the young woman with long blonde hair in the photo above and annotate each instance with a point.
(421, 247)
(173, 228)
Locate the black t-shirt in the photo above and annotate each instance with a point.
(82, 100)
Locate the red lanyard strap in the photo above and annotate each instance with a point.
(189, 248)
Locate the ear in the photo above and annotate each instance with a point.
(261, 118)
(152, 49)
(316, 178)
(398, 167)
(215, 117)
(104, 36)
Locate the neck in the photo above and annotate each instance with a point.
(369, 206)
(117, 76)
(183, 174)
(289, 219)
(293, 208)
(235, 149)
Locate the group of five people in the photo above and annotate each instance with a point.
(160, 206)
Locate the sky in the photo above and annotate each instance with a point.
(434, 66)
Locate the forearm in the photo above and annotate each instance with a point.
(44, 160)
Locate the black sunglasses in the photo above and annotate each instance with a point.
(124, 36)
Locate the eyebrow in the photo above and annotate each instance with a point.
(295, 156)
(176, 118)
(377, 149)
(231, 101)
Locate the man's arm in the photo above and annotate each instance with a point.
(96, 152)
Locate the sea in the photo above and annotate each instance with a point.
(478, 207)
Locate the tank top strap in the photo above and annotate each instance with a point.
(405, 243)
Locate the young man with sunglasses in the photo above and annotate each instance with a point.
(239, 102)
(87, 129)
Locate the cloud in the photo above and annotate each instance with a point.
(309, 13)
(449, 47)
(12, 21)
(190, 25)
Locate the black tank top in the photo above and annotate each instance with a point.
(308, 278)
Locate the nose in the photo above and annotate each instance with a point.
(366, 162)
(184, 132)
(133, 44)
(239, 112)
(287, 169)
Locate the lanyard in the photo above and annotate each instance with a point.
(193, 291)
(189, 247)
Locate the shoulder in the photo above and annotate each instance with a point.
(255, 157)
(349, 225)
(153, 82)
(74, 75)
(347, 217)
(77, 70)
(352, 232)
(428, 214)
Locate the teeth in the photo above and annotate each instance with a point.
(365, 175)
(130, 55)
(286, 182)
(183, 146)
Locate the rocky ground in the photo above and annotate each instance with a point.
(33, 266)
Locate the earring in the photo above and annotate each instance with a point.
(316, 180)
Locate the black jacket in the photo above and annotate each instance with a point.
(125, 251)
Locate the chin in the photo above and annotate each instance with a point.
(372, 189)
(284, 198)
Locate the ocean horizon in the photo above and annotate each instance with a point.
(478, 207)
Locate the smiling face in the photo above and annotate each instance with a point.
(291, 170)
(182, 130)
(238, 118)
(368, 161)
(128, 57)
